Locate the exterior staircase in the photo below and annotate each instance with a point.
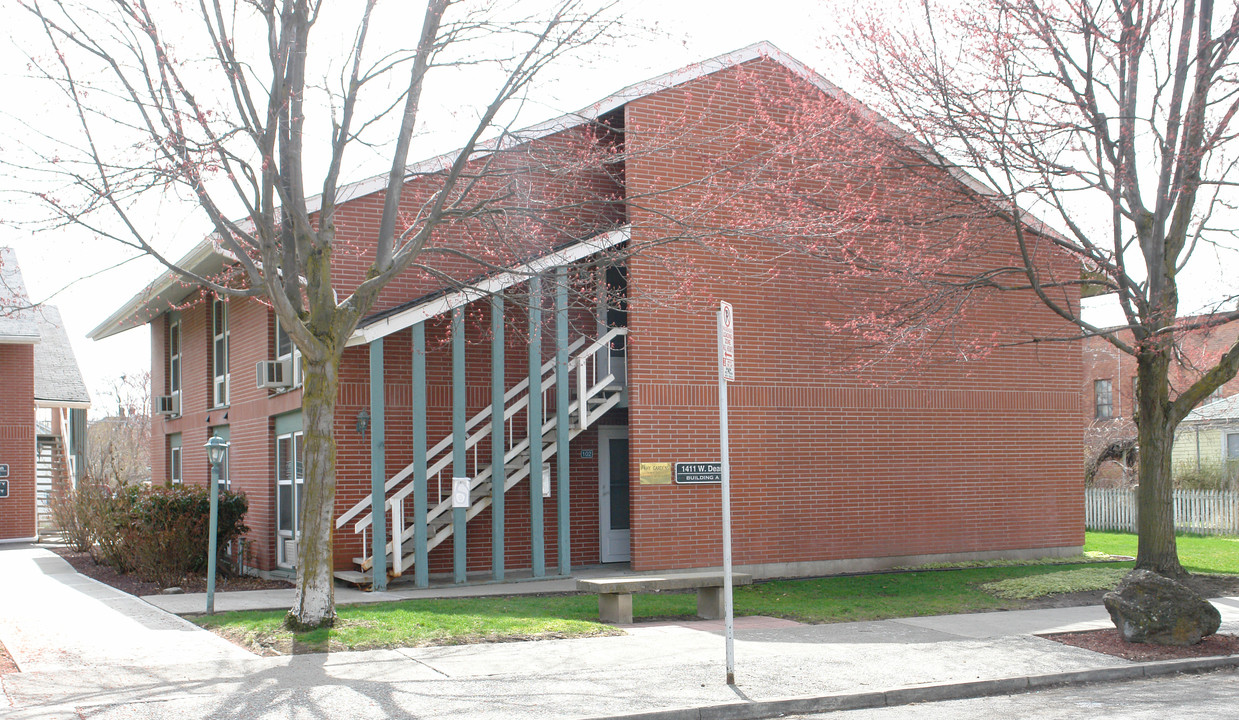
(595, 391)
(49, 469)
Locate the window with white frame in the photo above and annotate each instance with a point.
(1103, 400)
(286, 349)
(174, 360)
(219, 325)
(174, 460)
(289, 487)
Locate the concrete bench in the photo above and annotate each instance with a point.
(615, 593)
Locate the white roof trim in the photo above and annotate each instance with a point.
(764, 49)
(72, 405)
(489, 286)
(163, 288)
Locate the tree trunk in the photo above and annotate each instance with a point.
(314, 605)
(1156, 548)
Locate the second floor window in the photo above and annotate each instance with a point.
(1103, 400)
(219, 325)
(174, 358)
(285, 349)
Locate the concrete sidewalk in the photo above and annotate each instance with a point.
(86, 650)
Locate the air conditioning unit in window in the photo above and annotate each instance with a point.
(274, 374)
(168, 405)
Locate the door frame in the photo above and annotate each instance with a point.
(611, 547)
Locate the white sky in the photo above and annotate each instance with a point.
(687, 31)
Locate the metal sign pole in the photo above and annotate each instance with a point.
(726, 373)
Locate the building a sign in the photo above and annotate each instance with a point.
(698, 473)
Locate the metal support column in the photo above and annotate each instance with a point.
(536, 518)
(378, 470)
(421, 569)
(562, 456)
(459, 521)
(498, 476)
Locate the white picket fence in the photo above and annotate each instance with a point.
(1202, 512)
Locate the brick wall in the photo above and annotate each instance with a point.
(833, 456)
(17, 448)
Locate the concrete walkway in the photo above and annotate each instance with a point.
(85, 650)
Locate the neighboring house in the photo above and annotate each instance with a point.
(1109, 397)
(1208, 441)
(42, 410)
(831, 470)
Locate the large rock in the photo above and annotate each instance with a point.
(1149, 608)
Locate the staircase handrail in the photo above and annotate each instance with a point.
(446, 443)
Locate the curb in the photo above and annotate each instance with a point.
(929, 693)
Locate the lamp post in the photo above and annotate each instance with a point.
(215, 447)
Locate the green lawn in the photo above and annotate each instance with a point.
(1198, 554)
(817, 600)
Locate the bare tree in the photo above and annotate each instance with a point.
(232, 104)
(119, 450)
(1116, 121)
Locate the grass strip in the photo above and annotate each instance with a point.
(1197, 554)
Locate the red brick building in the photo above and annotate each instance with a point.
(836, 465)
(42, 409)
(1109, 388)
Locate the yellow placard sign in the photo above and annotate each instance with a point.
(655, 473)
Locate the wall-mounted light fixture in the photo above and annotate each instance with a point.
(363, 422)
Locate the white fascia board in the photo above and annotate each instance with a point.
(72, 405)
(19, 339)
(169, 287)
(486, 287)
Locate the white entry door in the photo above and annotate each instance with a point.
(613, 510)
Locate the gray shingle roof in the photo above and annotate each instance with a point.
(18, 322)
(1216, 411)
(56, 375)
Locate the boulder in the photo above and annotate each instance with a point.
(1149, 608)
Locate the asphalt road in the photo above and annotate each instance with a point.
(1208, 695)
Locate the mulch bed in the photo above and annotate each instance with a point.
(86, 565)
(1111, 642)
(6, 661)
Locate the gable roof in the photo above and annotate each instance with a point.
(18, 319)
(163, 292)
(1218, 411)
(57, 378)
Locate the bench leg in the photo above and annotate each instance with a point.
(710, 603)
(615, 608)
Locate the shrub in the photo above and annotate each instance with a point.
(169, 529)
(158, 533)
(1214, 475)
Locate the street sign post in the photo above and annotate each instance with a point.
(726, 374)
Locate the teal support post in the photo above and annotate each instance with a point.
(213, 540)
(537, 521)
(378, 470)
(459, 469)
(421, 562)
(498, 476)
(562, 456)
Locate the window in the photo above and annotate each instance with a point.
(289, 484)
(219, 324)
(1232, 446)
(1103, 400)
(174, 361)
(285, 349)
(174, 463)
